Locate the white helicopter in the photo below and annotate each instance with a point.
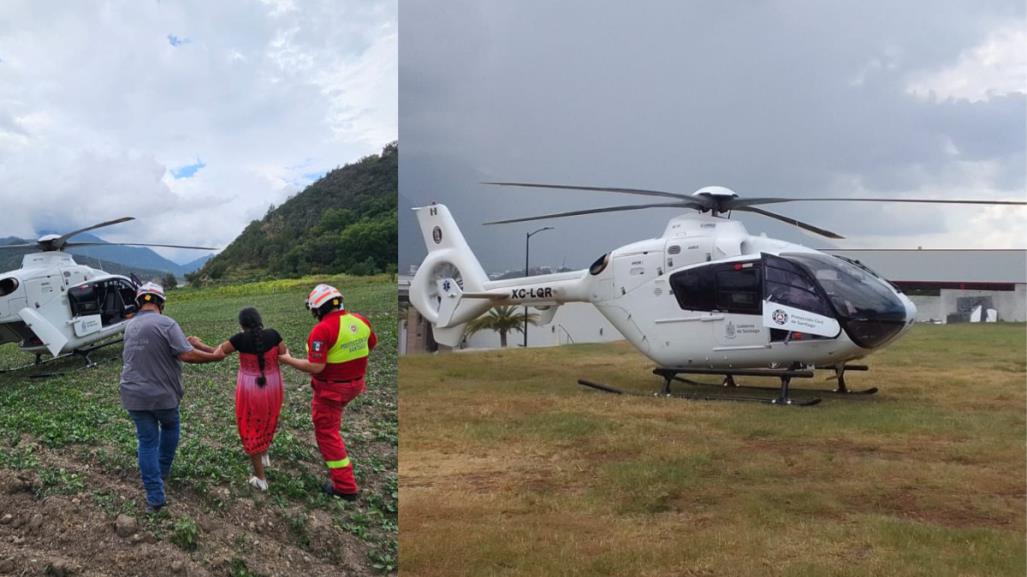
(705, 298)
(54, 305)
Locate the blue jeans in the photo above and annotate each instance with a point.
(157, 432)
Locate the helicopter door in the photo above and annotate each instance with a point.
(118, 301)
(731, 294)
(100, 304)
(794, 307)
(85, 308)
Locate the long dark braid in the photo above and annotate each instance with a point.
(250, 321)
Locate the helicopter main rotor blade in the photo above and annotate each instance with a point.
(739, 203)
(694, 205)
(640, 191)
(792, 221)
(62, 240)
(74, 244)
(6, 246)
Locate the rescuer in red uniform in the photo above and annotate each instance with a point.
(337, 351)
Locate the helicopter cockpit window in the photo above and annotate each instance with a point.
(83, 300)
(8, 286)
(789, 285)
(729, 287)
(599, 265)
(867, 269)
(870, 310)
(738, 290)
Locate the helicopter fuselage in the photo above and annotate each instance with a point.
(55, 305)
(706, 294)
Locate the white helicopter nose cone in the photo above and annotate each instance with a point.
(721, 191)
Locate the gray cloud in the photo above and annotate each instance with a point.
(802, 99)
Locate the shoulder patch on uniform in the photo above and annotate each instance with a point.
(318, 345)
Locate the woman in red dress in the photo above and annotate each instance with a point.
(258, 390)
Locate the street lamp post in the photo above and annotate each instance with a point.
(527, 238)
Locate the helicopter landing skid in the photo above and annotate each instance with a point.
(736, 398)
(785, 375)
(729, 380)
(83, 353)
(39, 362)
(839, 375)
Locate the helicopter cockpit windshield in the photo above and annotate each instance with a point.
(865, 304)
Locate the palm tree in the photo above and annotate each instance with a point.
(502, 320)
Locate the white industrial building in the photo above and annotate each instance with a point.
(946, 285)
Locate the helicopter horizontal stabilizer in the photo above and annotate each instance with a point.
(52, 338)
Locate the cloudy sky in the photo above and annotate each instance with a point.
(191, 116)
(895, 99)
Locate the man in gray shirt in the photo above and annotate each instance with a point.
(151, 387)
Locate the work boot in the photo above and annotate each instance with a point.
(330, 490)
(154, 509)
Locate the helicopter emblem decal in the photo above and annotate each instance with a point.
(446, 285)
(436, 235)
(780, 317)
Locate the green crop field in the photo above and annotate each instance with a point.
(67, 456)
(507, 467)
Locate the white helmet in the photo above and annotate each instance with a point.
(150, 292)
(324, 298)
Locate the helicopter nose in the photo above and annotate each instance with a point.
(910, 311)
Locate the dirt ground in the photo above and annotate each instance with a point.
(78, 534)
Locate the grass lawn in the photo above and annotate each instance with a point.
(71, 435)
(507, 467)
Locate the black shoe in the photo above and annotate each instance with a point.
(154, 509)
(330, 490)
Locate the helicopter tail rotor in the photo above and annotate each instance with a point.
(450, 270)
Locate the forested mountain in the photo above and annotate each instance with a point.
(345, 222)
